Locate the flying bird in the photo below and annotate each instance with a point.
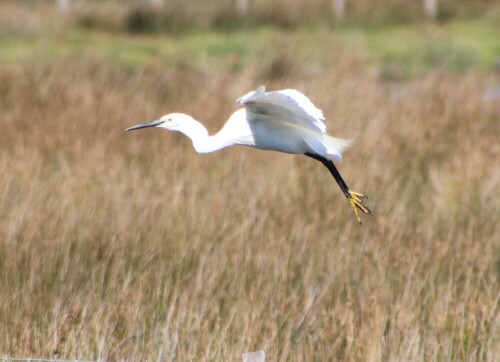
(285, 121)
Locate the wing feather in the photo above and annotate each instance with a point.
(286, 105)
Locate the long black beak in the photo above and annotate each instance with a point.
(145, 125)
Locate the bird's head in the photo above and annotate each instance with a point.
(172, 122)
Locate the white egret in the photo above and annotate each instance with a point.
(285, 121)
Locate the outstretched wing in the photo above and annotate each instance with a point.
(286, 105)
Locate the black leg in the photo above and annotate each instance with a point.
(356, 199)
(335, 173)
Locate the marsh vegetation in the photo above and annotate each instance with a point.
(117, 245)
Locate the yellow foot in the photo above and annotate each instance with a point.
(357, 202)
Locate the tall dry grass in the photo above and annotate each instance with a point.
(117, 245)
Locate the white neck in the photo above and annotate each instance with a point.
(202, 142)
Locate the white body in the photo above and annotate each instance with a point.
(284, 121)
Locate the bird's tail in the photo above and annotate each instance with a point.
(335, 146)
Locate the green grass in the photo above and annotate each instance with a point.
(457, 46)
(410, 49)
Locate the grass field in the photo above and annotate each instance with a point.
(130, 245)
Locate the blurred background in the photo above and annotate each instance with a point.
(131, 246)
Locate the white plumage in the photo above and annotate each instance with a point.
(288, 105)
(285, 121)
